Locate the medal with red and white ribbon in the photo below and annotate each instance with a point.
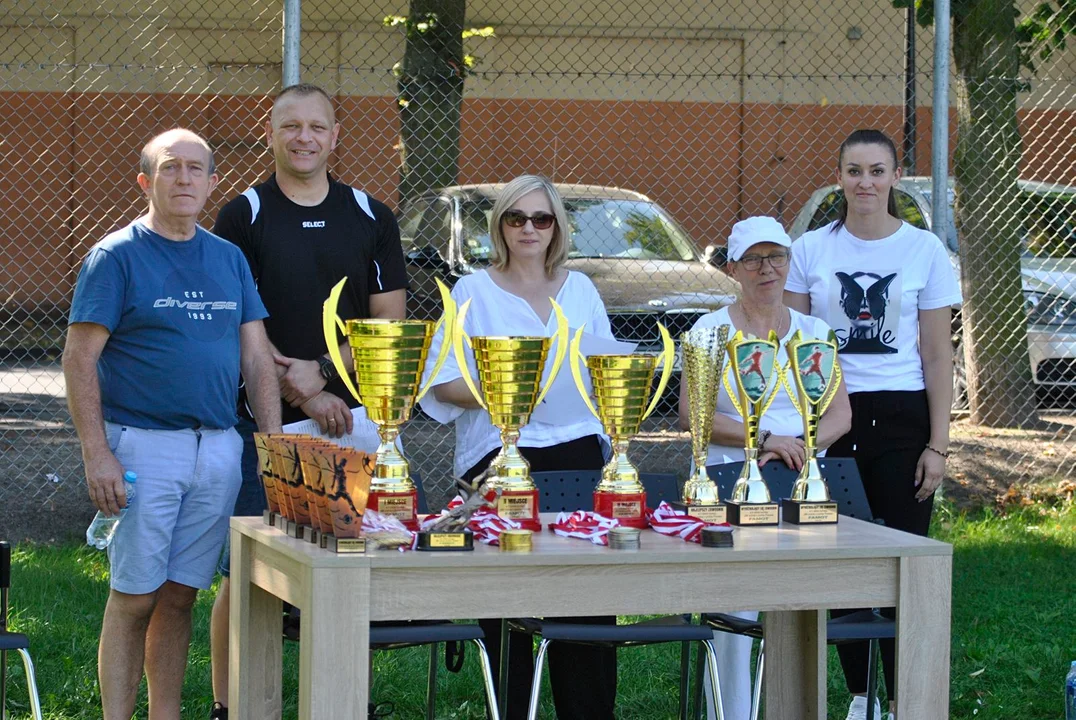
(585, 526)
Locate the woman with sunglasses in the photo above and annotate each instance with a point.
(758, 253)
(530, 238)
(887, 288)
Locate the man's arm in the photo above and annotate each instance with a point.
(259, 374)
(391, 305)
(303, 380)
(104, 474)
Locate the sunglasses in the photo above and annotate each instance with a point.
(540, 221)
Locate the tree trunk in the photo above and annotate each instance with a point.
(987, 165)
(431, 95)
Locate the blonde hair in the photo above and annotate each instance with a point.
(557, 252)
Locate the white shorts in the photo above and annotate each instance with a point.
(186, 488)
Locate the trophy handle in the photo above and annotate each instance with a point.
(329, 322)
(668, 356)
(458, 338)
(561, 339)
(448, 322)
(734, 396)
(574, 356)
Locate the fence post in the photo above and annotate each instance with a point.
(939, 152)
(290, 39)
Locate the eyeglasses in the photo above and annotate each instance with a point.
(754, 262)
(541, 220)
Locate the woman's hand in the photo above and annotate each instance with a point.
(928, 474)
(791, 450)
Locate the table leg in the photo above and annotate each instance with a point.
(795, 678)
(502, 676)
(254, 641)
(923, 627)
(334, 644)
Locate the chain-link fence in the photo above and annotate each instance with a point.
(666, 123)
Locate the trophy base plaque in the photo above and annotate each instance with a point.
(800, 512)
(754, 513)
(400, 505)
(311, 535)
(629, 509)
(521, 506)
(434, 541)
(715, 514)
(292, 529)
(344, 546)
(271, 518)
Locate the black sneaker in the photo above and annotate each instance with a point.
(380, 710)
(219, 712)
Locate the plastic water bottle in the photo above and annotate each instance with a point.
(99, 533)
(1070, 693)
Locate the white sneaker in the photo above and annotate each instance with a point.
(857, 710)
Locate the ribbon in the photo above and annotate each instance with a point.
(585, 526)
(667, 521)
(375, 523)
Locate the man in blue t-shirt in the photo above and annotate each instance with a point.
(165, 316)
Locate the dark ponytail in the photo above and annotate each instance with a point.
(867, 137)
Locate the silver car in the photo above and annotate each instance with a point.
(1048, 266)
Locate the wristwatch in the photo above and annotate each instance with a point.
(327, 369)
(763, 436)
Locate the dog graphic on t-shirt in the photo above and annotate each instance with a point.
(864, 301)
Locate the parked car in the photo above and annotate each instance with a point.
(1048, 212)
(644, 265)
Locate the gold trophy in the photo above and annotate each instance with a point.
(622, 388)
(816, 375)
(390, 357)
(510, 373)
(754, 367)
(704, 365)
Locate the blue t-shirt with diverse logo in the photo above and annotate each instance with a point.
(173, 310)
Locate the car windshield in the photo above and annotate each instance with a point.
(830, 209)
(1049, 224)
(601, 228)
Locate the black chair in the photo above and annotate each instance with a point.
(13, 641)
(846, 489)
(570, 491)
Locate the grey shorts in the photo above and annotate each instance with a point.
(186, 488)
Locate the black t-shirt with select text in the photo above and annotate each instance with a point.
(298, 253)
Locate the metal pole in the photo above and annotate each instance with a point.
(939, 159)
(290, 39)
(910, 82)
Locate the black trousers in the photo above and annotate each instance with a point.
(889, 431)
(583, 677)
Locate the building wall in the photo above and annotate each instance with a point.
(716, 110)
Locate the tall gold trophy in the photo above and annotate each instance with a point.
(622, 388)
(510, 373)
(754, 368)
(704, 365)
(390, 357)
(816, 376)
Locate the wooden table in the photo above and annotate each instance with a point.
(793, 573)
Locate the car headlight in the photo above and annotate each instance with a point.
(1049, 309)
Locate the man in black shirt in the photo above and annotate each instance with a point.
(301, 232)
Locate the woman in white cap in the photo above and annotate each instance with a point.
(758, 256)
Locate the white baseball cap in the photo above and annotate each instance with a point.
(755, 230)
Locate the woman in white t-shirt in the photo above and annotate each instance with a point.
(530, 235)
(887, 289)
(758, 259)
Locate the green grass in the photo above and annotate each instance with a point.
(1014, 633)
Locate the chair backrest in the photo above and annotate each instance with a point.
(661, 486)
(423, 507)
(566, 491)
(842, 476)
